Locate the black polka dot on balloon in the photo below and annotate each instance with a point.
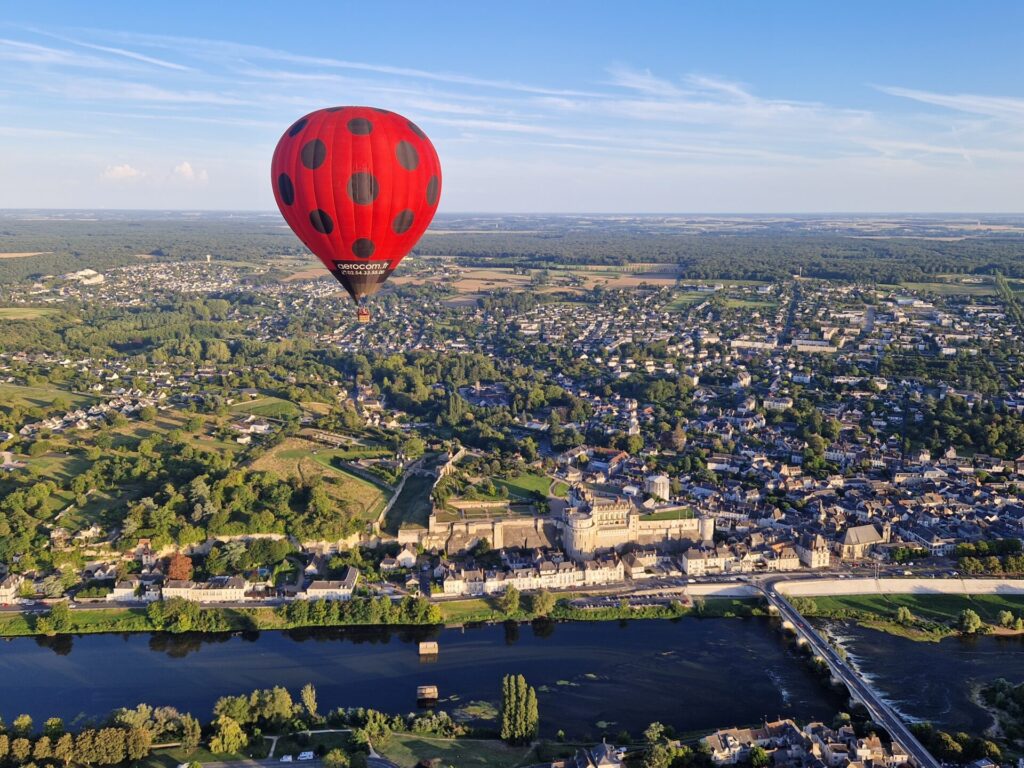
(286, 188)
(433, 190)
(363, 188)
(313, 154)
(403, 221)
(299, 125)
(416, 129)
(407, 156)
(321, 221)
(363, 248)
(360, 126)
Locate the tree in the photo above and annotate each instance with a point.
(21, 748)
(179, 567)
(42, 749)
(969, 622)
(758, 757)
(228, 737)
(308, 696)
(191, 733)
(543, 603)
(64, 749)
(1006, 619)
(509, 601)
(54, 727)
(336, 758)
(22, 725)
(138, 743)
(904, 616)
(520, 719)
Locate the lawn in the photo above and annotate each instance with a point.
(413, 505)
(408, 749)
(670, 514)
(938, 608)
(306, 460)
(25, 313)
(526, 485)
(269, 408)
(465, 611)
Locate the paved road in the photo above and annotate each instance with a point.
(879, 710)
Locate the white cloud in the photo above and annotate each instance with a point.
(1005, 107)
(123, 172)
(186, 172)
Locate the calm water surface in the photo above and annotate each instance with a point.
(692, 673)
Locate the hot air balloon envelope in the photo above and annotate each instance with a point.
(359, 186)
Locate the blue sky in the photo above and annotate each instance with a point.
(533, 106)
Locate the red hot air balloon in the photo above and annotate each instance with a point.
(359, 186)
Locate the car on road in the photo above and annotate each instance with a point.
(305, 756)
(286, 758)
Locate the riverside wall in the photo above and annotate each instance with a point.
(906, 586)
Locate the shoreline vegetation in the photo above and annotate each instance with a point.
(177, 616)
(922, 618)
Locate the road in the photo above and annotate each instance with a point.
(879, 710)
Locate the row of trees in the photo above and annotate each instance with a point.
(520, 720)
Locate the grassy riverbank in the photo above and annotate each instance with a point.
(932, 617)
(88, 620)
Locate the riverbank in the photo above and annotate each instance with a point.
(120, 620)
(932, 617)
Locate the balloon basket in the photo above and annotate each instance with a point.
(363, 315)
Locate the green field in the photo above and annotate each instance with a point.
(526, 485)
(269, 408)
(25, 313)
(952, 288)
(937, 608)
(39, 397)
(408, 749)
(732, 302)
(685, 300)
(413, 505)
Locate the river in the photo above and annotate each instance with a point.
(695, 674)
(932, 681)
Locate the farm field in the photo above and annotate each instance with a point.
(308, 461)
(25, 313)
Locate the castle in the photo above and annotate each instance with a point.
(593, 524)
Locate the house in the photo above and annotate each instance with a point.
(813, 551)
(333, 590)
(10, 588)
(222, 589)
(407, 557)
